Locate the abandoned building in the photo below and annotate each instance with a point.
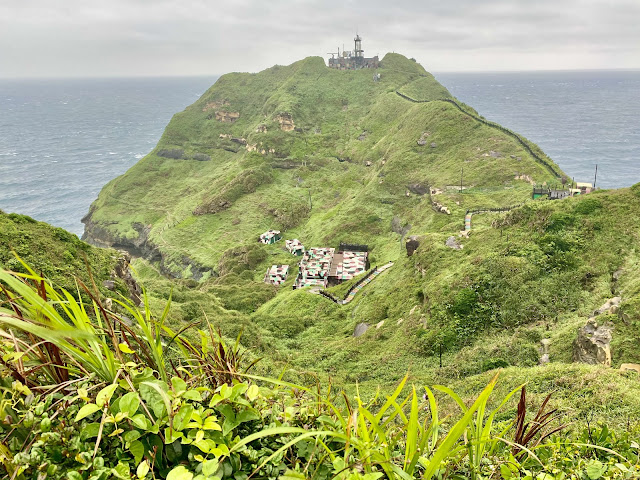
(295, 247)
(276, 274)
(269, 237)
(354, 60)
(553, 193)
(325, 267)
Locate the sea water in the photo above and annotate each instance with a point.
(579, 118)
(61, 141)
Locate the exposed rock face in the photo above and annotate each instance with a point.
(453, 243)
(610, 306)
(123, 272)
(261, 129)
(634, 367)
(544, 350)
(412, 245)
(438, 207)
(227, 117)
(422, 140)
(418, 188)
(215, 105)
(524, 177)
(360, 329)
(593, 344)
(141, 246)
(286, 122)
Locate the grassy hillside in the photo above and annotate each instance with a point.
(54, 253)
(329, 156)
(344, 169)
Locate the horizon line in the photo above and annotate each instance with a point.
(203, 75)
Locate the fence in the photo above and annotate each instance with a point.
(326, 294)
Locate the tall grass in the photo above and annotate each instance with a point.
(81, 340)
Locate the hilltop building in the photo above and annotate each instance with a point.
(354, 60)
(552, 193)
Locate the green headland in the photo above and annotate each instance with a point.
(386, 158)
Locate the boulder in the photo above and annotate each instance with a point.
(418, 188)
(544, 350)
(109, 284)
(453, 243)
(610, 306)
(412, 245)
(634, 367)
(592, 344)
(360, 329)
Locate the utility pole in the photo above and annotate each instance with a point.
(595, 178)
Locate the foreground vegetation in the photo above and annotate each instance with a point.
(86, 394)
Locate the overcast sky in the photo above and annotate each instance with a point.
(71, 38)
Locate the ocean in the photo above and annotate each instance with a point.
(61, 141)
(579, 118)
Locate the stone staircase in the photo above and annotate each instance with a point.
(365, 282)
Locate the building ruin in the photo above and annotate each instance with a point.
(353, 60)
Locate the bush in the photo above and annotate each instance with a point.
(588, 206)
(175, 153)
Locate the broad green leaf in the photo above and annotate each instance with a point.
(179, 385)
(87, 410)
(140, 421)
(595, 469)
(253, 392)
(129, 403)
(155, 394)
(121, 471)
(125, 348)
(210, 467)
(104, 395)
(90, 431)
(210, 423)
(142, 469)
(131, 436)
(194, 395)
(137, 450)
(292, 475)
(247, 415)
(179, 473)
(182, 418)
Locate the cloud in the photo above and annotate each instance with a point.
(187, 37)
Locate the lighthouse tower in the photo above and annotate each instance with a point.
(358, 53)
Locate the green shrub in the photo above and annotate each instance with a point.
(587, 206)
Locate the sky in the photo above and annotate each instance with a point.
(89, 38)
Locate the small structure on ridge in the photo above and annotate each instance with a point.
(354, 60)
(276, 274)
(269, 237)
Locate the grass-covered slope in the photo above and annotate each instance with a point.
(324, 155)
(55, 253)
(329, 156)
